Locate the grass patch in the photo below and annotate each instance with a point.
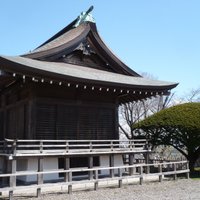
(195, 178)
(197, 168)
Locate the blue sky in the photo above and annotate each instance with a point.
(159, 37)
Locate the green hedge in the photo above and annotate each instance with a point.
(184, 116)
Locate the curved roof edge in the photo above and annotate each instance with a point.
(31, 67)
(108, 51)
(61, 32)
(71, 37)
(64, 42)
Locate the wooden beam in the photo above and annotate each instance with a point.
(40, 176)
(160, 171)
(175, 174)
(96, 176)
(120, 178)
(147, 162)
(188, 173)
(90, 166)
(66, 167)
(29, 119)
(141, 174)
(4, 115)
(111, 162)
(131, 163)
(70, 180)
(12, 178)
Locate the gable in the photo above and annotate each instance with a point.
(83, 55)
(78, 57)
(92, 50)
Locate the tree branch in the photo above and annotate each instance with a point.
(125, 133)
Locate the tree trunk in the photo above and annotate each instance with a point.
(191, 166)
(192, 160)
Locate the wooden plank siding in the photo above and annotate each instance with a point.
(38, 111)
(63, 121)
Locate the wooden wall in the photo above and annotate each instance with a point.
(44, 111)
(74, 121)
(14, 112)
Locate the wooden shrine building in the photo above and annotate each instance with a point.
(70, 87)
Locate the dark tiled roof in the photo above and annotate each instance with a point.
(65, 38)
(68, 71)
(68, 39)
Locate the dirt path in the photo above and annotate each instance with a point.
(167, 190)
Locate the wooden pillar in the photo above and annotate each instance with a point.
(66, 167)
(175, 175)
(147, 162)
(187, 173)
(13, 171)
(120, 177)
(131, 163)
(70, 185)
(160, 171)
(4, 115)
(11, 195)
(96, 183)
(90, 166)
(116, 121)
(40, 176)
(141, 174)
(12, 178)
(5, 170)
(111, 165)
(29, 119)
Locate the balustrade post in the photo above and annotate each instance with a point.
(120, 177)
(130, 145)
(90, 146)
(40, 176)
(96, 176)
(175, 175)
(14, 147)
(111, 145)
(41, 146)
(70, 185)
(111, 165)
(131, 164)
(160, 171)
(147, 162)
(67, 146)
(90, 166)
(187, 173)
(12, 178)
(141, 174)
(66, 167)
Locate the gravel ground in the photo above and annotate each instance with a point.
(167, 190)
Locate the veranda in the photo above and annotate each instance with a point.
(14, 151)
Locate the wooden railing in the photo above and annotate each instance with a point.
(22, 147)
(39, 149)
(94, 175)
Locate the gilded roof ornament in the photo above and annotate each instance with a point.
(85, 17)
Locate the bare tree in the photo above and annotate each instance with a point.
(133, 112)
(192, 96)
